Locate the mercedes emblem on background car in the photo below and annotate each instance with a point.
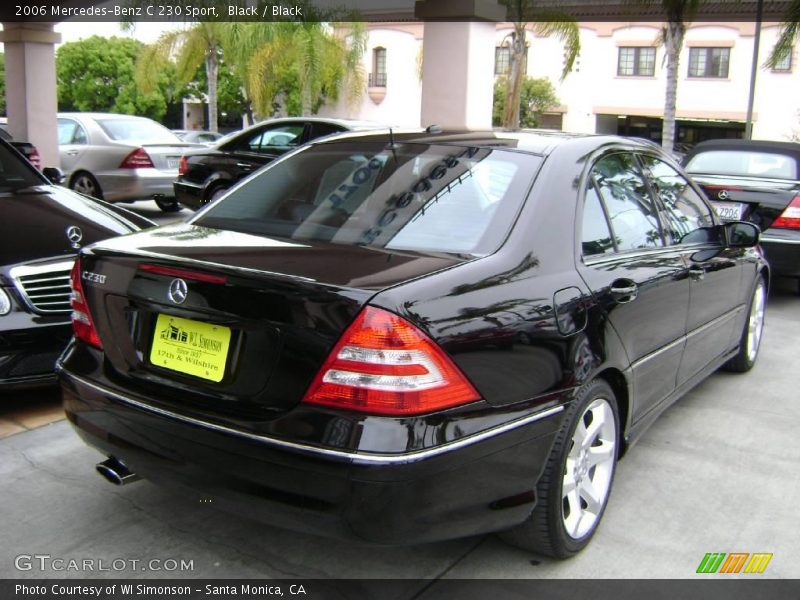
(178, 291)
(723, 195)
(74, 235)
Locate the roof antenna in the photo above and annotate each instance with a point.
(392, 146)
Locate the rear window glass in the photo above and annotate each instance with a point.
(413, 196)
(140, 131)
(745, 163)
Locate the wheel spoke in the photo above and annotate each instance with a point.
(600, 454)
(594, 501)
(572, 520)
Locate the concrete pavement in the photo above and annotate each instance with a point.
(716, 473)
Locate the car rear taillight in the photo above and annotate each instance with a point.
(34, 158)
(183, 166)
(138, 159)
(384, 365)
(82, 324)
(790, 217)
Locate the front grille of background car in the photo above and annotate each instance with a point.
(45, 288)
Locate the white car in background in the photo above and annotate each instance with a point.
(120, 158)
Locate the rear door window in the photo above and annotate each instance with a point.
(631, 210)
(411, 196)
(685, 217)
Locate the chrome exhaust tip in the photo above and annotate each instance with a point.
(115, 471)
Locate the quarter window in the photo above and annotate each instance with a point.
(709, 62)
(685, 216)
(596, 235)
(633, 216)
(636, 62)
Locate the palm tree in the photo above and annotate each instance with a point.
(317, 59)
(199, 44)
(679, 13)
(790, 28)
(560, 25)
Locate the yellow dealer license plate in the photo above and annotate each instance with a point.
(190, 347)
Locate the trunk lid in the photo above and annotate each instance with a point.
(166, 157)
(758, 200)
(253, 320)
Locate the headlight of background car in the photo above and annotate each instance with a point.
(5, 302)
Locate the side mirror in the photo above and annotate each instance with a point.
(741, 234)
(53, 175)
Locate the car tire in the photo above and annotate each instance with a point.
(563, 523)
(85, 183)
(216, 192)
(168, 205)
(750, 340)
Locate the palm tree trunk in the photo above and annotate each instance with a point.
(514, 95)
(674, 43)
(212, 68)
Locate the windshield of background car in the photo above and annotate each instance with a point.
(139, 131)
(412, 197)
(14, 173)
(744, 163)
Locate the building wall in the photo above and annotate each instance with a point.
(593, 96)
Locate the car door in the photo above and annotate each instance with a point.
(640, 281)
(261, 146)
(715, 272)
(72, 143)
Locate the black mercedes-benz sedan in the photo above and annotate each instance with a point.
(42, 226)
(205, 175)
(400, 338)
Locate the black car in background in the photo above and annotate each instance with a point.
(757, 181)
(28, 150)
(42, 227)
(204, 175)
(399, 338)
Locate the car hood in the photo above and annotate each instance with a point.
(35, 221)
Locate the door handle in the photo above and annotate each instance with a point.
(624, 290)
(245, 166)
(73, 152)
(697, 273)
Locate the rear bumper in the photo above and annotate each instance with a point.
(121, 185)
(189, 194)
(782, 250)
(484, 484)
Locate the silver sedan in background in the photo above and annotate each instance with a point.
(120, 158)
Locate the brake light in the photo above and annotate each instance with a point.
(82, 324)
(183, 274)
(385, 365)
(183, 166)
(138, 159)
(790, 218)
(34, 158)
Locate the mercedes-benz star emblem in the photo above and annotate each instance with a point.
(178, 291)
(74, 235)
(723, 195)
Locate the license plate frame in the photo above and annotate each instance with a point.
(728, 211)
(190, 347)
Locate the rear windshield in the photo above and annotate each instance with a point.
(140, 131)
(744, 163)
(413, 197)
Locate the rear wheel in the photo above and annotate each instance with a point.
(750, 342)
(574, 488)
(217, 192)
(85, 183)
(168, 204)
